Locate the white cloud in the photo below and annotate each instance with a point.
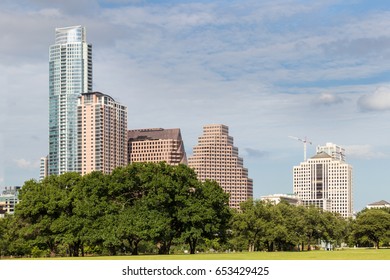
(50, 13)
(327, 98)
(379, 100)
(363, 152)
(26, 164)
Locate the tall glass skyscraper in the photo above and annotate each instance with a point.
(70, 74)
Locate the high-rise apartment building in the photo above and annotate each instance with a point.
(102, 133)
(70, 74)
(156, 145)
(335, 151)
(216, 158)
(325, 181)
(43, 168)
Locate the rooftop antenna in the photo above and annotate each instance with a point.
(304, 141)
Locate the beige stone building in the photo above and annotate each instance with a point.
(325, 180)
(102, 133)
(217, 159)
(156, 145)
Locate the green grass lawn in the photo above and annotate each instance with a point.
(347, 254)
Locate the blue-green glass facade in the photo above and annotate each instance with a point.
(70, 74)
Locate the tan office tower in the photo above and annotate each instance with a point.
(325, 180)
(156, 145)
(217, 159)
(102, 133)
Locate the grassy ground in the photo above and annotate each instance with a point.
(348, 254)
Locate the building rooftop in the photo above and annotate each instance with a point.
(153, 134)
(379, 203)
(322, 155)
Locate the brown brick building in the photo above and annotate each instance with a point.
(217, 159)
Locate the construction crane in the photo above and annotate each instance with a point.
(305, 141)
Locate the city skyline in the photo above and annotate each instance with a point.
(267, 70)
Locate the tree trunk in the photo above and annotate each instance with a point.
(53, 248)
(251, 247)
(270, 246)
(76, 248)
(192, 243)
(134, 251)
(52, 253)
(82, 250)
(164, 247)
(112, 251)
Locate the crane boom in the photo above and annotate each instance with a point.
(304, 141)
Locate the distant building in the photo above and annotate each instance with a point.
(156, 145)
(215, 158)
(102, 133)
(335, 151)
(326, 182)
(2, 212)
(378, 205)
(43, 170)
(8, 200)
(277, 198)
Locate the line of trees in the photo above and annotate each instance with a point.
(109, 214)
(263, 226)
(159, 208)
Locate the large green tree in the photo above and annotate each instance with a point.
(205, 214)
(251, 223)
(168, 203)
(313, 229)
(282, 227)
(372, 225)
(264, 225)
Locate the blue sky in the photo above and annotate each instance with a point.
(267, 69)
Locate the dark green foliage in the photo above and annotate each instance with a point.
(372, 226)
(113, 214)
(158, 208)
(261, 225)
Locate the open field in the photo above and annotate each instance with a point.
(347, 254)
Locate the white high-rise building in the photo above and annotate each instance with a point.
(333, 150)
(43, 168)
(216, 158)
(70, 74)
(325, 181)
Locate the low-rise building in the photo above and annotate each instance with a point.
(379, 204)
(8, 200)
(277, 198)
